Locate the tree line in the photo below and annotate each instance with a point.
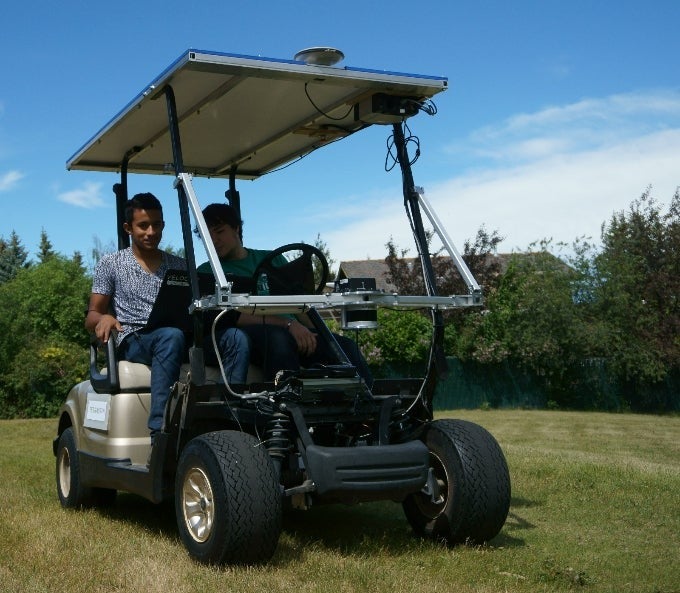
(596, 328)
(43, 345)
(611, 307)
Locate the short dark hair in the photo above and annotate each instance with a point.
(143, 201)
(217, 214)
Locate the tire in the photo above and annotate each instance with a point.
(72, 494)
(473, 484)
(227, 499)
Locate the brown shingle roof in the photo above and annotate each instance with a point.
(368, 268)
(377, 268)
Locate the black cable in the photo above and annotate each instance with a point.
(351, 107)
(409, 139)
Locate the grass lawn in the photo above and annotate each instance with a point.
(595, 507)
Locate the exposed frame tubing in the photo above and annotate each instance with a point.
(437, 361)
(184, 179)
(411, 203)
(121, 192)
(472, 285)
(196, 355)
(234, 199)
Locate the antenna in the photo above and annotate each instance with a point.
(320, 56)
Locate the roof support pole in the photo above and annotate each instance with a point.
(121, 192)
(234, 199)
(196, 358)
(173, 123)
(437, 361)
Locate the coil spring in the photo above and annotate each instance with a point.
(277, 435)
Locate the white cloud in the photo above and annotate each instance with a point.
(561, 197)
(88, 196)
(9, 180)
(559, 173)
(584, 125)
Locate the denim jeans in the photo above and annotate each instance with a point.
(234, 350)
(274, 348)
(163, 349)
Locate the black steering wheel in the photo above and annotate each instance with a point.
(290, 269)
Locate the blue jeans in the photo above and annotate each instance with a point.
(274, 348)
(234, 348)
(163, 349)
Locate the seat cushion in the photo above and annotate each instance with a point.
(135, 376)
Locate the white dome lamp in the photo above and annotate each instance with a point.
(320, 56)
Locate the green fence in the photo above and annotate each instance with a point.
(588, 387)
(472, 385)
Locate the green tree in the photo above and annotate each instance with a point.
(13, 257)
(531, 321)
(45, 250)
(78, 259)
(634, 291)
(407, 274)
(404, 337)
(43, 346)
(322, 246)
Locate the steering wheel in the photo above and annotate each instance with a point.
(290, 269)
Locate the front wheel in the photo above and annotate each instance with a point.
(467, 498)
(227, 499)
(70, 489)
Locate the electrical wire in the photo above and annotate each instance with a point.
(321, 111)
(409, 138)
(242, 396)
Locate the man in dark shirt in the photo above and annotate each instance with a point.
(277, 341)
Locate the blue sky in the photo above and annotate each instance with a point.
(558, 114)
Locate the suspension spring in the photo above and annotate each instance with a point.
(277, 435)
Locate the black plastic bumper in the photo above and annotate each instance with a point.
(379, 472)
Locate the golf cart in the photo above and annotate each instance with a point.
(234, 457)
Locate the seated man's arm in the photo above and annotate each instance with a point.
(99, 320)
(304, 338)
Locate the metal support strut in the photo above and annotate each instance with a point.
(196, 351)
(437, 362)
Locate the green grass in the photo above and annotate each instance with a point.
(595, 507)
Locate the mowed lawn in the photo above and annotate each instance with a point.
(595, 507)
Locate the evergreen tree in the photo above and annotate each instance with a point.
(13, 257)
(321, 245)
(78, 259)
(45, 250)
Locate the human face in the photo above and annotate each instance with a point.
(226, 241)
(146, 229)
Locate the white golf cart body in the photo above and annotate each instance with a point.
(237, 117)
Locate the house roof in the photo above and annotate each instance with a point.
(370, 268)
(378, 269)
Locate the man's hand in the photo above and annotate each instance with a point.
(99, 321)
(304, 338)
(105, 325)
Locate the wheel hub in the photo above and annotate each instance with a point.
(197, 504)
(64, 472)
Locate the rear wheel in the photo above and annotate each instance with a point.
(468, 495)
(227, 499)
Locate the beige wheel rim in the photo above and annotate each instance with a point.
(197, 504)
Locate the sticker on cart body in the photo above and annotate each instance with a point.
(97, 408)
